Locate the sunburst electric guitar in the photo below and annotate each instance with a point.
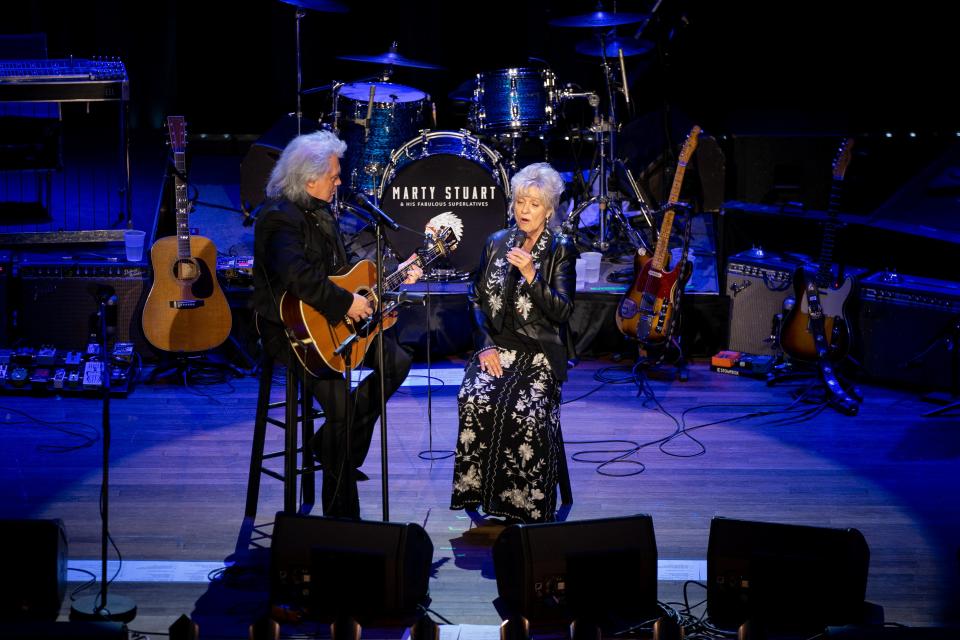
(186, 310)
(649, 310)
(315, 339)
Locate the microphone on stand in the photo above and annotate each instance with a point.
(623, 77)
(380, 213)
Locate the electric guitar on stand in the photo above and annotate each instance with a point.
(649, 308)
(816, 328)
(186, 311)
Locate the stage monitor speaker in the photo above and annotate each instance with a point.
(908, 325)
(256, 166)
(57, 307)
(35, 569)
(375, 572)
(785, 577)
(757, 283)
(602, 572)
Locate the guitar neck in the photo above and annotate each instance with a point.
(395, 279)
(824, 275)
(182, 204)
(659, 261)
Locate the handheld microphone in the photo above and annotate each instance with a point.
(519, 239)
(384, 218)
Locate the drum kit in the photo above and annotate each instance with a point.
(397, 157)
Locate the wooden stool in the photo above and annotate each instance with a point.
(298, 408)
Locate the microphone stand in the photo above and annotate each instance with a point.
(99, 607)
(381, 219)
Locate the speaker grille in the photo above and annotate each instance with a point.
(56, 306)
(757, 290)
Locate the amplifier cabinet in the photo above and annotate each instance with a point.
(757, 283)
(908, 325)
(57, 303)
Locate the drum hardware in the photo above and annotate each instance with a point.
(605, 129)
(299, 14)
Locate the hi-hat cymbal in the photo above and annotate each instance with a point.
(391, 58)
(630, 47)
(326, 6)
(599, 19)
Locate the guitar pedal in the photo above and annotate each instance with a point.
(47, 355)
(73, 379)
(18, 377)
(73, 358)
(40, 377)
(93, 349)
(3, 374)
(58, 378)
(123, 351)
(93, 374)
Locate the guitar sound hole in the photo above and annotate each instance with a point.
(186, 270)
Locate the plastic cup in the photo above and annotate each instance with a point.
(592, 260)
(133, 242)
(581, 272)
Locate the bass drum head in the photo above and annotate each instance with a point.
(440, 173)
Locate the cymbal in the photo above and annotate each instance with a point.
(326, 6)
(630, 47)
(391, 58)
(599, 19)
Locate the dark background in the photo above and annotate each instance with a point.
(733, 66)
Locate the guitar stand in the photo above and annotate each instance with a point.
(790, 371)
(951, 402)
(658, 368)
(186, 367)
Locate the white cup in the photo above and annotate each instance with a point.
(133, 242)
(592, 262)
(581, 272)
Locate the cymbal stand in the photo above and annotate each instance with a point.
(298, 16)
(605, 130)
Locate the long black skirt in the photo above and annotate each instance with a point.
(507, 449)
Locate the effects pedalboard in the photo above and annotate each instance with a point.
(49, 370)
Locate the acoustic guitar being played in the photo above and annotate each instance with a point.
(186, 311)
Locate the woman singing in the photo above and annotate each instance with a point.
(509, 402)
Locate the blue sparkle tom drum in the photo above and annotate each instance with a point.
(514, 100)
(374, 125)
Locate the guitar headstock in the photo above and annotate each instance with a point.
(442, 239)
(177, 132)
(842, 161)
(690, 145)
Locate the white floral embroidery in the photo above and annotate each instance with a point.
(525, 451)
(507, 357)
(524, 305)
(495, 303)
(467, 436)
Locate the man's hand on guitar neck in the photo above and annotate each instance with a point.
(414, 273)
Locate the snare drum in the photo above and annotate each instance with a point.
(440, 171)
(514, 100)
(396, 115)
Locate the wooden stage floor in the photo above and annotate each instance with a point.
(180, 458)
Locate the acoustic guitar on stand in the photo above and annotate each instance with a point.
(186, 310)
(649, 308)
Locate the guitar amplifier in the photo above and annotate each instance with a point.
(908, 325)
(757, 282)
(57, 304)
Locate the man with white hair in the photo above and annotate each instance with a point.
(297, 246)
